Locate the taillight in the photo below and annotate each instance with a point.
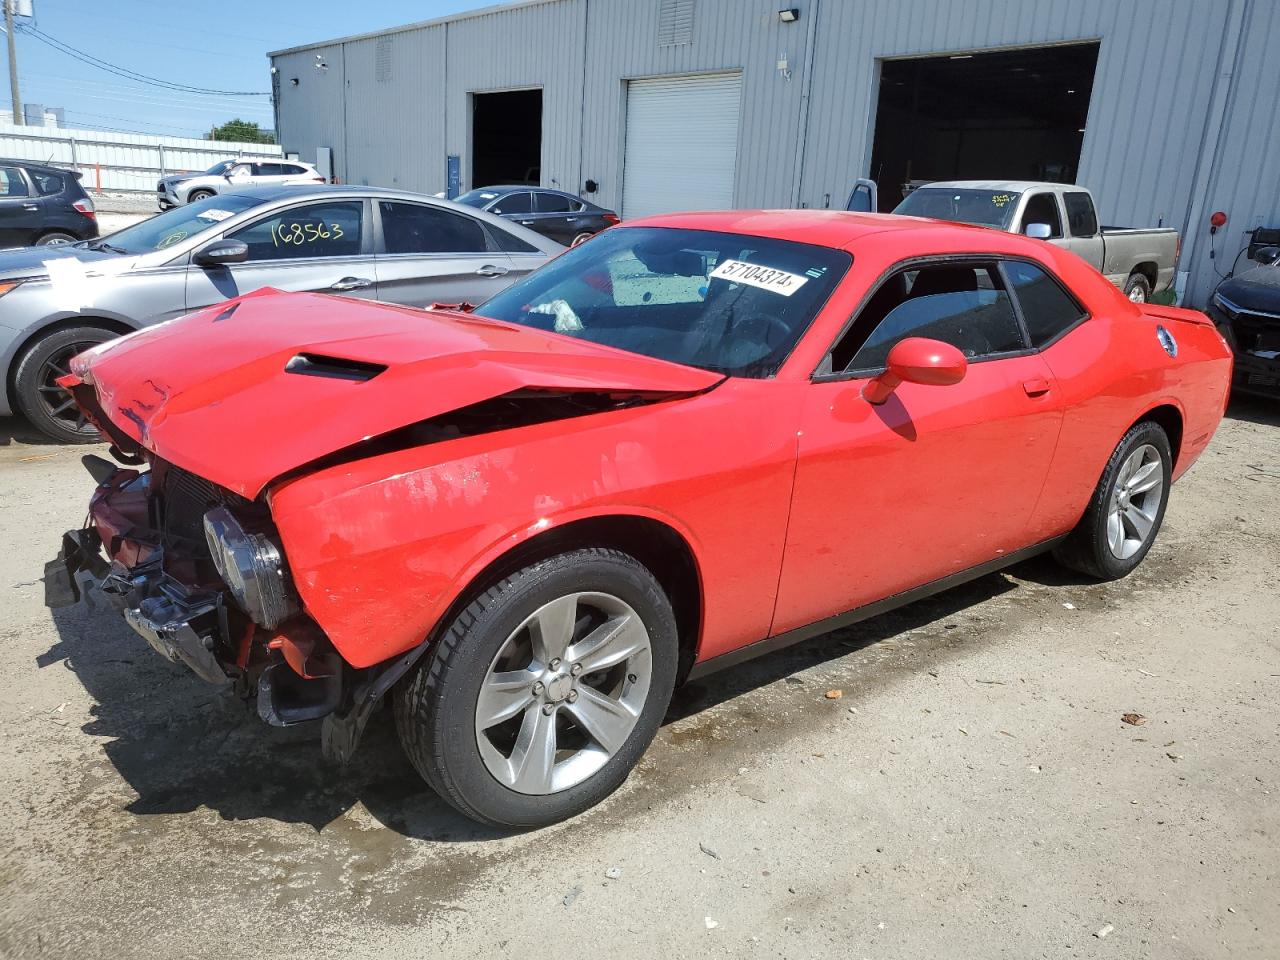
(85, 206)
(611, 218)
(317, 180)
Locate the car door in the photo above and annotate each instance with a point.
(1042, 208)
(20, 210)
(323, 246)
(936, 480)
(428, 254)
(1083, 236)
(556, 216)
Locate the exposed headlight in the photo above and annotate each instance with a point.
(252, 567)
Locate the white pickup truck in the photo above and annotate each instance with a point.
(1140, 261)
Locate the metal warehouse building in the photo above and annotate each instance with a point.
(1166, 109)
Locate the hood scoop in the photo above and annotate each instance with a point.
(334, 368)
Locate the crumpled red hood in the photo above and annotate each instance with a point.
(210, 392)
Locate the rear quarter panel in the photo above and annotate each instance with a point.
(1113, 371)
(381, 548)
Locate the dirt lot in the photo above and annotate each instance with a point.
(973, 793)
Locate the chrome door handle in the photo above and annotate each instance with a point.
(525, 223)
(489, 270)
(351, 283)
(31, 206)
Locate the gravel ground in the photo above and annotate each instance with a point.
(972, 794)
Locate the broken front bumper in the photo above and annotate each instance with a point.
(181, 624)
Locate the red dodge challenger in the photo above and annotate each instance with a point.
(693, 439)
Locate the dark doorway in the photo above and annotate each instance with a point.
(1014, 115)
(506, 137)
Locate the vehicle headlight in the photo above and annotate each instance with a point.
(251, 564)
(1225, 306)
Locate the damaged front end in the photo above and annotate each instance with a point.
(197, 571)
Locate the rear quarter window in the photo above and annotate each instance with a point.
(1047, 309)
(47, 183)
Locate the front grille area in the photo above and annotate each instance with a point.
(183, 500)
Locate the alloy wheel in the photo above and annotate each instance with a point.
(1135, 501)
(57, 402)
(564, 693)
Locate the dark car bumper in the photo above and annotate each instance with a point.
(1255, 343)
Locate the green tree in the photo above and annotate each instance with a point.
(243, 131)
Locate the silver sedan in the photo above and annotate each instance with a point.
(356, 241)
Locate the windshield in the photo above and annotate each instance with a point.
(477, 198)
(988, 208)
(173, 226)
(724, 302)
(219, 168)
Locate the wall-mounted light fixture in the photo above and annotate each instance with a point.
(789, 15)
(320, 64)
(293, 81)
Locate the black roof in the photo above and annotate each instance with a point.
(34, 165)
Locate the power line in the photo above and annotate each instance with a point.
(119, 71)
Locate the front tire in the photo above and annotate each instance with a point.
(195, 195)
(1138, 288)
(46, 405)
(1127, 508)
(541, 696)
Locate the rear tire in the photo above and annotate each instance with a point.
(55, 238)
(493, 689)
(1127, 507)
(47, 406)
(1138, 288)
(581, 238)
(195, 195)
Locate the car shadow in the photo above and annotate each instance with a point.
(17, 430)
(181, 744)
(1263, 411)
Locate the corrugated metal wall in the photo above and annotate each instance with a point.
(806, 128)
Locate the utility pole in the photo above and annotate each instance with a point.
(13, 63)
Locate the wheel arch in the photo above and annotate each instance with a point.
(1169, 417)
(115, 325)
(658, 545)
(1149, 270)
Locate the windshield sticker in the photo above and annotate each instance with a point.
(169, 239)
(999, 199)
(214, 214)
(754, 275)
(488, 196)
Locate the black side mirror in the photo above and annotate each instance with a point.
(221, 252)
(1267, 255)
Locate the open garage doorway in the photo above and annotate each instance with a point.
(506, 137)
(1011, 114)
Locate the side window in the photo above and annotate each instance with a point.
(554, 203)
(510, 243)
(292, 170)
(11, 183)
(1047, 308)
(513, 203)
(268, 170)
(315, 230)
(1080, 214)
(964, 305)
(241, 170)
(47, 183)
(1043, 208)
(417, 228)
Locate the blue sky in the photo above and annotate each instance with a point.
(217, 44)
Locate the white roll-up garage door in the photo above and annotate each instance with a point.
(682, 144)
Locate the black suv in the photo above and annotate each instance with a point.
(42, 205)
